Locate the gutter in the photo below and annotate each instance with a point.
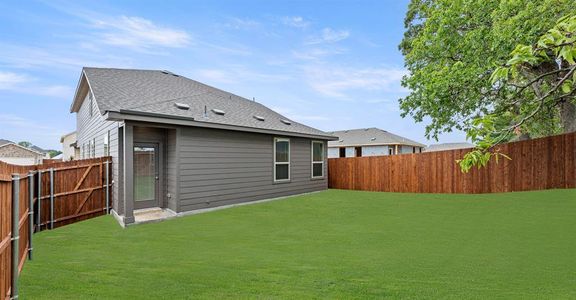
(150, 117)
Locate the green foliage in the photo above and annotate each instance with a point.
(538, 76)
(25, 144)
(53, 153)
(452, 48)
(483, 132)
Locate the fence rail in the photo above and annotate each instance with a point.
(537, 164)
(48, 196)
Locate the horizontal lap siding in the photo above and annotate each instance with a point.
(219, 167)
(96, 127)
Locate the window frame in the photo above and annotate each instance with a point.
(107, 143)
(277, 139)
(312, 161)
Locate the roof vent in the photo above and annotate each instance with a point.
(286, 122)
(165, 72)
(340, 141)
(182, 106)
(259, 118)
(175, 75)
(218, 111)
(373, 139)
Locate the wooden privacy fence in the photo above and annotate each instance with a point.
(537, 164)
(34, 198)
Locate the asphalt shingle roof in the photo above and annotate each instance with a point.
(4, 142)
(153, 91)
(369, 136)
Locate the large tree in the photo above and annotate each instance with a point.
(452, 48)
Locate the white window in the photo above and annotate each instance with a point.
(93, 148)
(107, 143)
(281, 159)
(317, 159)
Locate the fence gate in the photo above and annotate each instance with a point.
(34, 198)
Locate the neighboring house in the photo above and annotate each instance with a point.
(70, 150)
(370, 142)
(182, 145)
(15, 154)
(447, 146)
(46, 153)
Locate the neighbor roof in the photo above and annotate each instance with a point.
(369, 137)
(447, 146)
(158, 92)
(4, 142)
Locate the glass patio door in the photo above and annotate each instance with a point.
(145, 175)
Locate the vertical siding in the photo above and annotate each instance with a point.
(93, 127)
(219, 167)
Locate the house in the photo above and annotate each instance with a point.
(70, 150)
(181, 145)
(370, 142)
(447, 146)
(15, 154)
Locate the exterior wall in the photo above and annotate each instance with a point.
(374, 150)
(69, 152)
(219, 167)
(16, 155)
(172, 169)
(333, 152)
(350, 152)
(166, 137)
(95, 127)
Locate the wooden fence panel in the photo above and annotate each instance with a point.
(536, 164)
(79, 194)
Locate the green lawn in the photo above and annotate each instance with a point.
(334, 244)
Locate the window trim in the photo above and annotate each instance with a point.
(312, 161)
(107, 143)
(276, 139)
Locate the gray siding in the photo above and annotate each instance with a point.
(166, 137)
(95, 127)
(172, 169)
(219, 167)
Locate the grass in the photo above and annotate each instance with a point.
(333, 244)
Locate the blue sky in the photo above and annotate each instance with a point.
(329, 64)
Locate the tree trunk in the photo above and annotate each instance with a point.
(568, 116)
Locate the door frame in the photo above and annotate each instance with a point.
(158, 158)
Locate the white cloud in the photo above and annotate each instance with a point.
(140, 33)
(57, 58)
(242, 24)
(22, 83)
(17, 128)
(9, 80)
(329, 35)
(316, 53)
(337, 81)
(237, 74)
(295, 21)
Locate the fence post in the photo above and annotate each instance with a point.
(30, 212)
(15, 234)
(38, 215)
(51, 198)
(106, 163)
